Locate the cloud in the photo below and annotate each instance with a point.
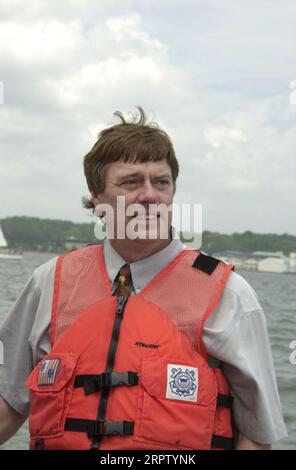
(62, 85)
(220, 136)
(212, 75)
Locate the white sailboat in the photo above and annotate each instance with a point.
(5, 252)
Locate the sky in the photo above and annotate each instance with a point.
(218, 75)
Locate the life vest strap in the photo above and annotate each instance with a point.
(221, 442)
(94, 383)
(102, 408)
(224, 400)
(100, 428)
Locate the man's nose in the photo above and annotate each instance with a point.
(147, 193)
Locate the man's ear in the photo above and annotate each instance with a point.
(96, 199)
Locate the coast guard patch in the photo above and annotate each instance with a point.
(48, 371)
(182, 382)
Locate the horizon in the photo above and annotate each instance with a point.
(185, 232)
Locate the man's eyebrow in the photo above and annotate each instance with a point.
(138, 174)
(130, 175)
(162, 175)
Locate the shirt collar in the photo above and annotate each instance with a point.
(142, 271)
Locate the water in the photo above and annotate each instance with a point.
(277, 295)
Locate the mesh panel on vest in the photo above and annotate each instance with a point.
(188, 295)
(75, 291)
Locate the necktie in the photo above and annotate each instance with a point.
(123, 283)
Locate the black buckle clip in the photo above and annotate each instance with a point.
(110, 428)
(110, 379)
(95, 429)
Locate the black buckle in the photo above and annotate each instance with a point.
(97, 383)
(95, 428)
(91, 386)
(124, 378)
(116, 428)
(109, 379)
(110, 428)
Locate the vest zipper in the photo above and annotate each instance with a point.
(109, 367)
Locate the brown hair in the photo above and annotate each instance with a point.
(135, 141)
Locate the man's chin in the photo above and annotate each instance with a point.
(147, 237)
(150, 233)
(144, 231)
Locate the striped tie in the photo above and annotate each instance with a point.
(123, 283)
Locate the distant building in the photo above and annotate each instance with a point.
(250, 264)
(264, 261)
(268, 254)
(274, 265)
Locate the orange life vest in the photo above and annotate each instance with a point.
(131, 374)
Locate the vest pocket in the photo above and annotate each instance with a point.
(51, 387)
(177, 403)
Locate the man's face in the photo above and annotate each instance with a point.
(143, 184)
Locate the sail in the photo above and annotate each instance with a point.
(3, 242)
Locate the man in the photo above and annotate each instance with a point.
(141, 344)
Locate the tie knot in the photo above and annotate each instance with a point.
(124, 275)
(125, 270)
(124, 283)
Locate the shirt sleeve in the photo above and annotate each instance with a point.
(236, 334)
(24, 335)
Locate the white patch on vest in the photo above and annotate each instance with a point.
(182, 382)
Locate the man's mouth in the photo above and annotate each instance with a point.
(147, 216)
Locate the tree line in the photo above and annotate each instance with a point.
(35, 234)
